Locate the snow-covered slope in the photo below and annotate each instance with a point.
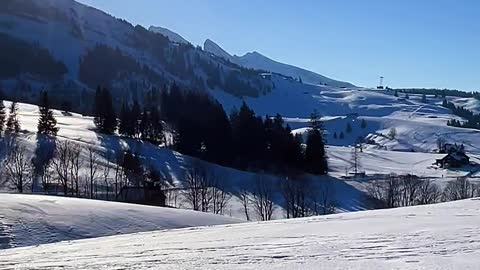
(215, 49)
(27, 220)
(170, 34)
(256, 60)
(259, 61)
(443, 236)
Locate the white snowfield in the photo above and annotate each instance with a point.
(34, 219)
(442, 236)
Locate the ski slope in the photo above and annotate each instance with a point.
(29, 220)
(442, 236)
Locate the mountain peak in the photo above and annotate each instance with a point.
(213, 48)
(174, 37)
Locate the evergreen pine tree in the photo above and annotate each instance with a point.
(315, 155)
(335, 136)
(348, 129)
(407, 96)
(98, 111)
(47, 124)
(363, 124)
(315, 122)
(110, 118)
(424, 98)
(396, 93)
(156, 131)
(145, 125)
(342, 136)
(104, 113)
(135, 115)
(13, 124)
(124, 120)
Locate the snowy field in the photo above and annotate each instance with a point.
(29, 220)
(412, 151)
(442, 236)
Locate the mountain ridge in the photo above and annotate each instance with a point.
(259, 61)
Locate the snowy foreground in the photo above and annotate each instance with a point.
(27, 220)
(443, 236)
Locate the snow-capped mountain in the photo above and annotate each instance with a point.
(215, 49)
(256, 60)
(174, 37)
(73, 48)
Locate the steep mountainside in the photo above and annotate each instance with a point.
(72, 48)
(258, 61)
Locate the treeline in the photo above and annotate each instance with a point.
(201, 128)
(102, 65)
(205, 191)
(473, 120)
(242, 140)
(20, 57)
(409, 190)
(439, 92)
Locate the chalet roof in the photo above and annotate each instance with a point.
(455, 155)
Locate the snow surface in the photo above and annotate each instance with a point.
(174, 37)
(442, 236)
(27, 220)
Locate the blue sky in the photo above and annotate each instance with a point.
(413, 43)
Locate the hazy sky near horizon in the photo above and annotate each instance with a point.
(427, 43)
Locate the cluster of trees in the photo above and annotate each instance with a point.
(20, 57)
(102, 65)
(408, 190)
(205, 190)
(243, 140)
(133, 121)
(349, 129)
(70, 169)
(9, 123)
(300, 197)
(439, 92)
(201, 128)
(473, 120)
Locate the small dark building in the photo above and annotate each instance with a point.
(149, 195)
(454, 159)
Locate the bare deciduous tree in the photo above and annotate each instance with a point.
(75, 165)
(385, 191)
(118, 172)
(195, 179)
(220, 197)
(262, 198)
(92, 160)
(245, 200)
(62, 163)
(17, 165)
(106, 173)
(459, 189)
(296, 193)
(326, 198)
(410, 187)
(428, 192)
